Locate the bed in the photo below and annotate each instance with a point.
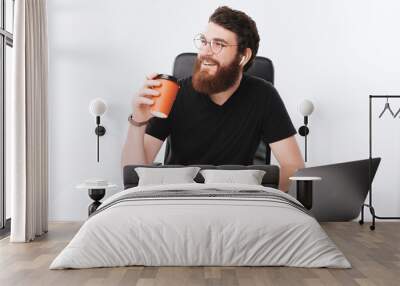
(201, 223)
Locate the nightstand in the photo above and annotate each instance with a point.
(304, 190)
(96, 193)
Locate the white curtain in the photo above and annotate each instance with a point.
(28, 158)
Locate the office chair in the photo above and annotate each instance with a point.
(262, 67)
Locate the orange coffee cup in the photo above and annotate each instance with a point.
(168, 89)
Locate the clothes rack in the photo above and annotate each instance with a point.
(370, 206)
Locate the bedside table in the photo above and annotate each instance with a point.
(96, 193)
(304, 189)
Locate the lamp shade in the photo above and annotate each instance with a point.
(97, 107)
(306, 107)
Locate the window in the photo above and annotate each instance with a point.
(6, 44)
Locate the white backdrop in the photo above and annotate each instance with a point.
(333, 52)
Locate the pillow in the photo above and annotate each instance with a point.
(162, 176)
(249, 177)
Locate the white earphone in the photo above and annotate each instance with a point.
(242, 60)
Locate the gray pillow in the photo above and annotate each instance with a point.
(162, 176)
(249, 177)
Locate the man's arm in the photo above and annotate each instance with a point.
(139, 147)
(288, 154)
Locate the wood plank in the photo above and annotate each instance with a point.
(374, 255)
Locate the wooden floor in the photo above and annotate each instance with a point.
(374, 255)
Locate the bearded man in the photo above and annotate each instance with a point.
(220, 114)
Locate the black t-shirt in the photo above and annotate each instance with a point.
(203, 132)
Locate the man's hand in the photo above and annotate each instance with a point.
(142, 103)
(288, 154)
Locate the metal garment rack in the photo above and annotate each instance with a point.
(371, 208)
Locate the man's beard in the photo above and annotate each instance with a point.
(224, 77)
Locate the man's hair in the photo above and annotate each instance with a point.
(242, 25)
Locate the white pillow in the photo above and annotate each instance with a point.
(249, 177)
(162, 176)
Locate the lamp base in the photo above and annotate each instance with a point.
(303, 130)
(100, 130)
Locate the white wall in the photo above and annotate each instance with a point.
(334, 52)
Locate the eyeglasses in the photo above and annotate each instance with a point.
(216, 45)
